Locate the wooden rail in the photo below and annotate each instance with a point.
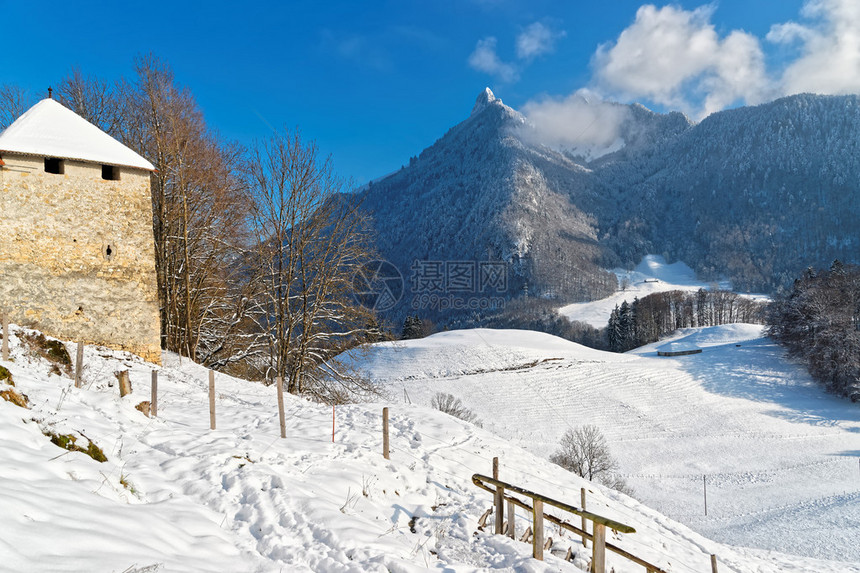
(600, 522)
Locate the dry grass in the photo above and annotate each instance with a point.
(6, 376)
(51, 350)
(15, 397)
(69, 442)
(144, 407)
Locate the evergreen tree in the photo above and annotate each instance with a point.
(613, 331)
(412, 328)
(819, 321)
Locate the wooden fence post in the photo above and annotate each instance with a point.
(5, 351)
(584, 521)
(599, 557)
(713, 563)
(537, 526)
(385, 453)
(512, 526)
(499, 501)
(211, 399)
(153, 395)
(124, 384)
(279, 382)
(79, 365)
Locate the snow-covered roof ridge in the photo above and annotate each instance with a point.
(51, 129)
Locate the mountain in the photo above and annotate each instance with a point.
(759, 193)
(753, 195)
(481, 194)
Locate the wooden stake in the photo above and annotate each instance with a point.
(279, 382)
(385, 453)
(211, 399)
(499, 501)
(512, 520)
(153, 395)
(584, 521)
(124, 383)
(537, 526)
(332, 423)
(713, 563)
(705, 490)
(5, 351)
(79, 364)
(598, 562)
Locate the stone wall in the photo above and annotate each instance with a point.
(77, 254)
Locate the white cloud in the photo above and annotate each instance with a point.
(485, 59)
(580, 123)
(674, 57)
(535, 40)
(788, 32)
(677, 59)
(830, 56)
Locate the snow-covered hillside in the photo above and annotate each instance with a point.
(778, 456)
(176, 496)
(651, 275)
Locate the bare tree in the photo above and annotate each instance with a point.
(14, 101)
(96, 100)
(198, 215)
(453, 406)
(584, 451)
(310, 239)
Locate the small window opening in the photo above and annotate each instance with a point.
(109, 251)
(54, 165)
(110, 172)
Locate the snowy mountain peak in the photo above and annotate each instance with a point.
(485, 98)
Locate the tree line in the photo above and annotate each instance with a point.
(647, 319)
(818, 321)
(254, 247)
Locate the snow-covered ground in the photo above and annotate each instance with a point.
(177, 496)
(778, 456)
(652, 275)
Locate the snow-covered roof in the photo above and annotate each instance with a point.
(678, 346)
(51, 129)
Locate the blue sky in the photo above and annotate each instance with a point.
(376, 82)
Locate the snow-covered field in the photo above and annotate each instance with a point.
(176, 496)
(778, 456)
(652, 275)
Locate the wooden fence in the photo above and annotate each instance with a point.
(500, 495)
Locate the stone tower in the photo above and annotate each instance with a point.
(77, 258)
